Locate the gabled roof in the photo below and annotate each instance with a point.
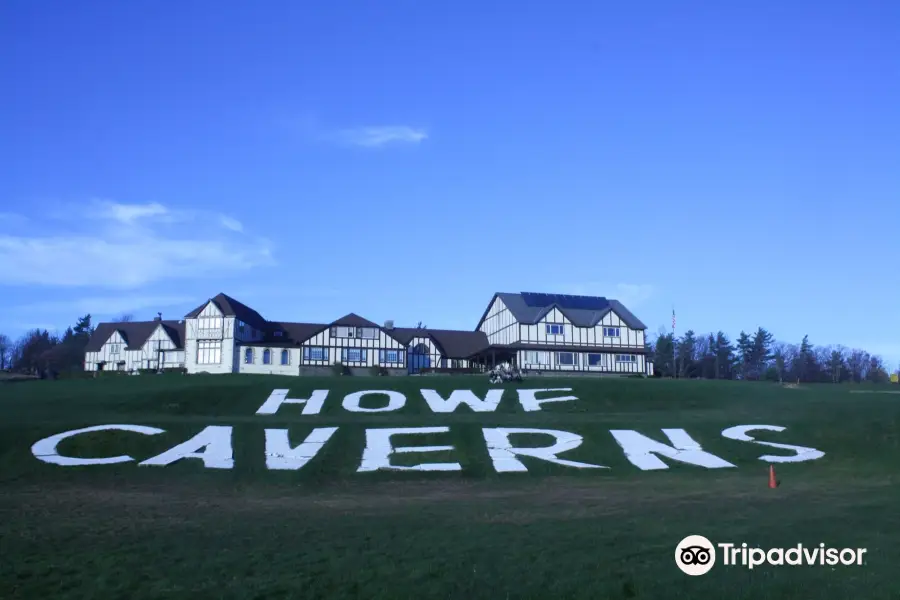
(292, 334)
(354, 320)
(524, 308)
(135, 333)
(232, 308)
(451, 343)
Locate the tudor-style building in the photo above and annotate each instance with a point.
(557, 332)
(131, 346)
(539, 332)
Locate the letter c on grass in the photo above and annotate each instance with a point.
(45, 449)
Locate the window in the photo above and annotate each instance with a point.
(353, 355)
(114, 348)
(554, 329)
(285, 357)
(315, 353)
(533, 357)
(595, 360)
(626, 358)
(389, 356)
(209, 353)
(248, 356)
(267, 357)
(241, 326)
(611, 332)
(565, 358)
(210, 323)
(278, 333)
(367, 332)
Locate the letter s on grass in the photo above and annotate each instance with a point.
(45, 449)
(802, 453)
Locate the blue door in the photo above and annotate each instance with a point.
(418, 358)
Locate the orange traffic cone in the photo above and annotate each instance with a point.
(773, 483)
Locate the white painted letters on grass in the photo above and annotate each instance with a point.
(503, 453)
(312, 405)
(801, 453)
(212, 446)
(378, 451)
(529, 401)
(440, 405)
(45, 449)
(396, 401)
(641, 451)
(281, 457)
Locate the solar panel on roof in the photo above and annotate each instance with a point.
(538, 300)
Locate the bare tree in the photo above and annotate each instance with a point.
(124, 318)
(5, 351)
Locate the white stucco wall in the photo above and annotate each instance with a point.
(225, 334)
(500, 325)
(275, 368)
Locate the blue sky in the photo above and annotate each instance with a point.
(405, 160)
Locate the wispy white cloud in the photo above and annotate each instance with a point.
(629, 294)
(110, 305)
(232, 224)
(127, 246)
(379, 136)
(309, 127)
(126, 214)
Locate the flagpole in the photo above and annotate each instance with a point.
(674, 351)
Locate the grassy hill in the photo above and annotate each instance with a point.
(326, 530)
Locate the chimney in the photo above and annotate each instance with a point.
(388, 325)
(158, 317)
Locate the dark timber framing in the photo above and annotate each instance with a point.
(507, 332)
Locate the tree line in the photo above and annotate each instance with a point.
(758, 356)
(40, 352)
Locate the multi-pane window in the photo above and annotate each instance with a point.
(353, 355)
(595, 360)
(390, 356)
(611, 332)
(626, 358)
(566, 358)
(115, 348)
(209, 353)
(554, 329)
(315, 353)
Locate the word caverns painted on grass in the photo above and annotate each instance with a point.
(213, 445)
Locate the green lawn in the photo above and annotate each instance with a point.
(327, 531)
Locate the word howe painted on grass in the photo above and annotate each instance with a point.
(213, 446)
(528, 400)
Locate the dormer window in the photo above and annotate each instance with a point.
(278, 333)
(554, 329)
(611, 332)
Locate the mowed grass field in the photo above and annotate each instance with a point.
(327, 531)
